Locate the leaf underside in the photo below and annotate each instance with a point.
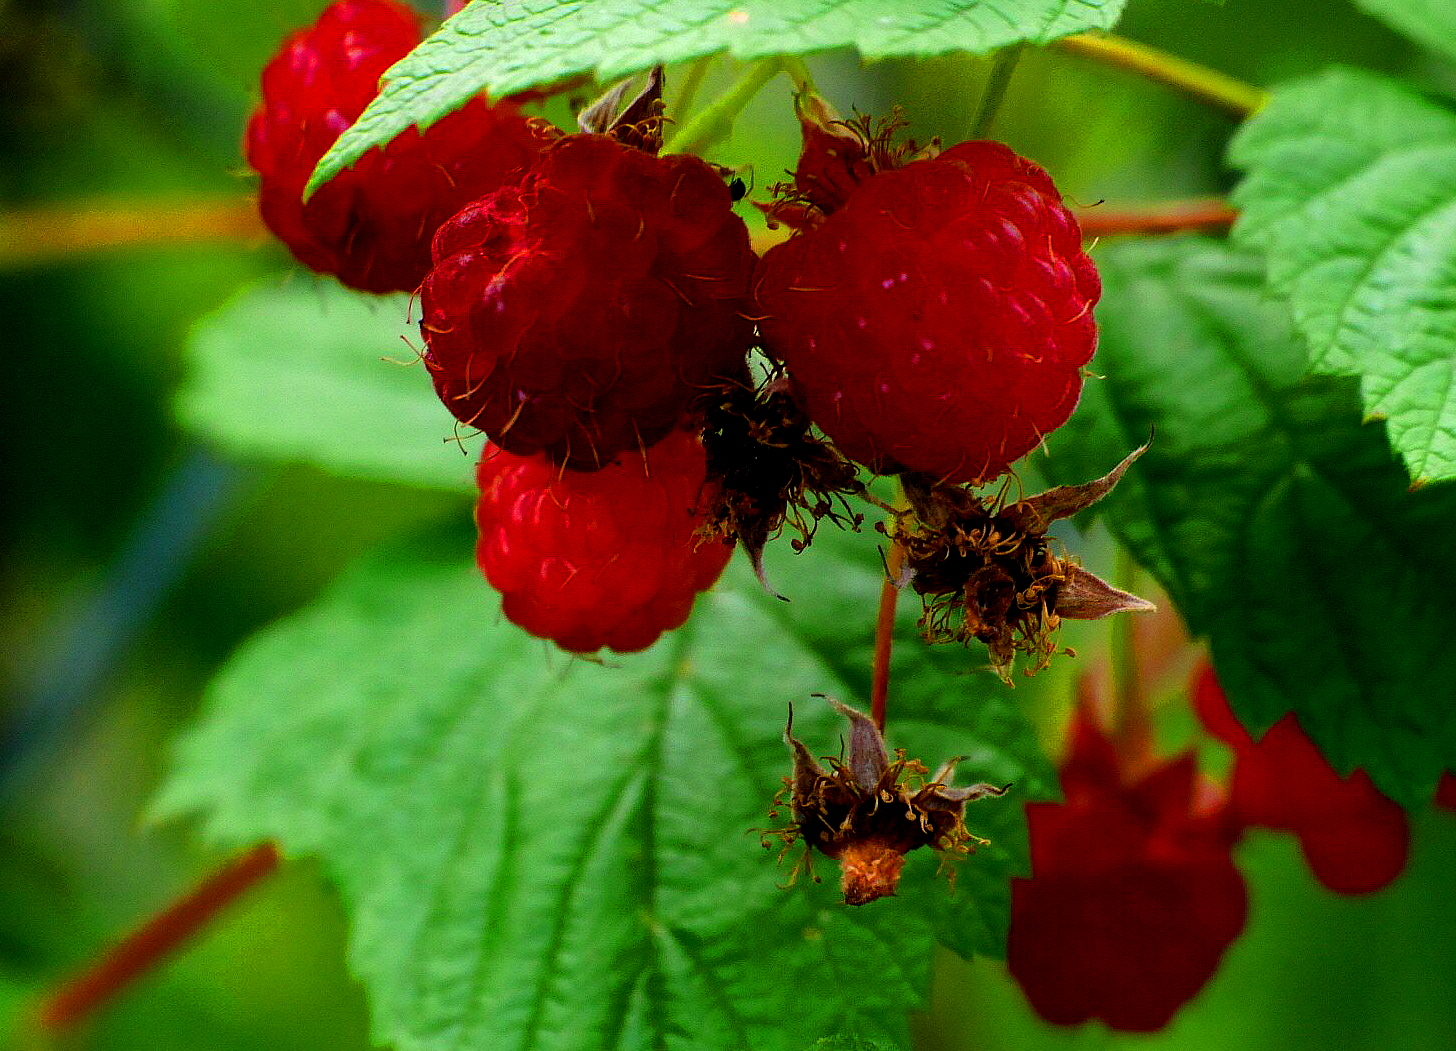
(502, 48)
(1351, 197)
(538, 852)
(1280, 524)
(314, 373)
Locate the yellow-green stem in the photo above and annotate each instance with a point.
(716, 121)
(692, 80)
(1002, 66)
(795, 68)
(1132, 724)
(1200, 82)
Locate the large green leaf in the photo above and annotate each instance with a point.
(1279, 522)
(1351, 195)
(313, 373)
(539, 852)
(505, 47)
(1430, 22)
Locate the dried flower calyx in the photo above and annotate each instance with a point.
(987, 571)
(837, 156)
(868, 811)
(635, 122)
(771, 470)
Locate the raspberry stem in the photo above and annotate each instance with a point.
(885, 635)
(1132, 724)
(798, 72)
(1002, 67)
(716, 121)
(33, 236)
(146, 946)
(1206, 85)
(692, 80)
(1165, 218)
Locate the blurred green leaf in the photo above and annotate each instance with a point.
(1351, 195)
(13, 997)
(504, 48)
(540, 852)
(1429, 22)
(1278, 522)
(316, 374)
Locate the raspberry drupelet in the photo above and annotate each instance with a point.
(583, 312)
(935, 316)
(603, 558)
(371, 225)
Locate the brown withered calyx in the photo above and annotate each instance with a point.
(869, 811)
(987, 571)
(772, 471)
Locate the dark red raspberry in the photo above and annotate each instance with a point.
(370, 225)
(1354, 838)
(1134, 895)
(603, 558)
(939, 318)
(582, 312)
(1446, 791)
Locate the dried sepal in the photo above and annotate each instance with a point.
(987, 571)
(636, 122)
(771, 470)
(868, 810)
(837, 155)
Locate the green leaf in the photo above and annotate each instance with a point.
(1429, 22)
(316, 374)
(13, 1000)
(540, 852)
(502, 48)
(1280, 524)
(1351, 195)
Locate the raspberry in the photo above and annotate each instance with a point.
(583, 311)
(1354, 838)
(938, 319)
(1133, 897)
(604, 558)
(1446, 791)
(370, 225)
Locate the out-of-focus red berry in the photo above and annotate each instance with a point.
(1133, 896)
(1355, 839)
(1446, 791)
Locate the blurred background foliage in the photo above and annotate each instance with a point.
(132, 559)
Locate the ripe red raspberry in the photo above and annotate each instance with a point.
(1446, 791)
(370, 225)
(584, 310)
(1355, 839)
(603, 558)
(1133, 896)
(936, 320)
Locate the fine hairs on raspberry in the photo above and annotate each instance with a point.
(370, 225)
(609, 558)
(935, 317)
(584, 311)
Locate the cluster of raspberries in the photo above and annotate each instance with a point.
(591, 305)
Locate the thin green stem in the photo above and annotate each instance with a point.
(1204, 84)
(1132, 725)
(1002, 66)
(692, 80)
(794, 66)
(716, 121)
